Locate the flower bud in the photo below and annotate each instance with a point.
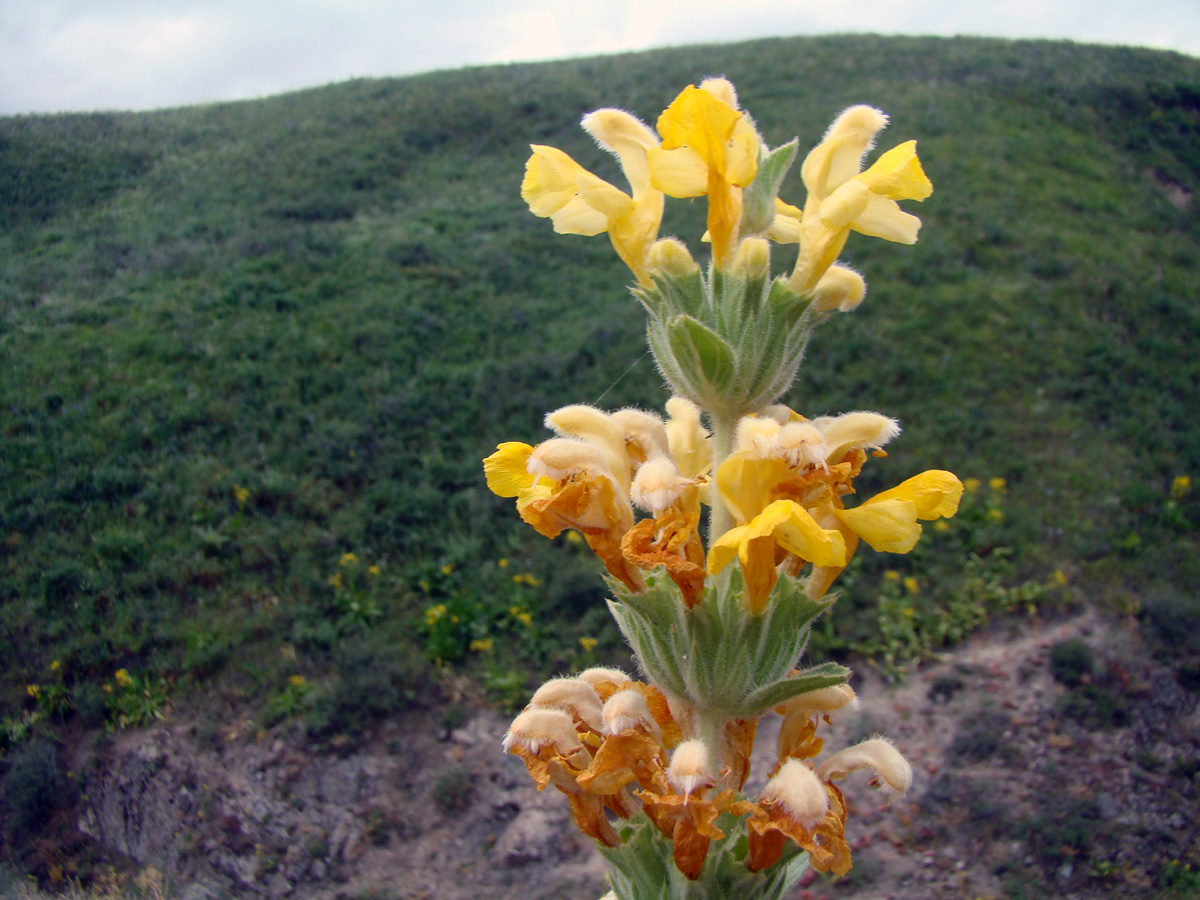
(670, 258)
(865, 430)
(753, 258)
(559, 458)
(840, 288)
(644, 430)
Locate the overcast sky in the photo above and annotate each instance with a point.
(58, 55)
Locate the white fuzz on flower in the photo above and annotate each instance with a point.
(586, 423)
(626, 710)
(756, 435)
(645, 430)
(894, 774)
(824, 700)
(800, 792)
(537, 728)
(687, 438)
(689, 767)
(722, 89)
(560, 458)
(864, 430)
(801, 444)
(572, 696)
(600, 675)
(657, 485)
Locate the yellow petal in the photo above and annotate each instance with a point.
(883, 218)
(889, 525)
(629, 139)
(741, 162)
(934, 493)
(845, 204)
(746, 483)
(838, 157)
(898, 175)
(578, 217)
(725, 548)
(784, 229)
(798, 533)
(698, 119)
(678, 173)
(551, 180)
(505, 469)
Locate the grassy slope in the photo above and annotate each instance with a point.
(336, 300)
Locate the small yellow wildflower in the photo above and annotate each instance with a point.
(373, 571)
(971, 485)
(502, 563)
(435, 614)
(515, 611)
(241, 495)
(525, 618)
(995, 515)
(911, 585)
(297, 681)
(481, 645)
(574, 537)
(55, 666)
(33, 690)
(423, 585)
(1060, 577)
(335, 580)
(107, 688)
(997, 485)
(588, 644)
(447, 568)
(1180, 486)
(892, 575)
(941, 525)
(908, 612)
(123, 678)
(348, 559)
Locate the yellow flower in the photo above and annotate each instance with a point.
(107, 688)
(33, 690)
(373, 571)
(297, 681)
(574, 537)
(502, 563)
(578, 202)
(842, 198)
(55, 665)
(348, 559)
(997, 485)
(1180, 486)
(435, 614)
(995, 515)
(241, 495)
(525, 618)
(971, 485)
(481, 645)
(911, 585)
(783, 523)
(708, 148)
(888, 521)
(588, 644)
(447, 568)
(335, 580)
(1060, 577)
(123, 677)
(908, 612)
(892, 575)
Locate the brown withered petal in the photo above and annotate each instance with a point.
(667, 542)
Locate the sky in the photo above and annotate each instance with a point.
(74, 55)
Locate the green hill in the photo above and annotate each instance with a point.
(242, 341)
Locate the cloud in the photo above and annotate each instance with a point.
(140, 54)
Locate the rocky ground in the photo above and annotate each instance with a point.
(1035, 777)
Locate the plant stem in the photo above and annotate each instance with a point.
(724, 426)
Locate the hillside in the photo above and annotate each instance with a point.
(253, 351)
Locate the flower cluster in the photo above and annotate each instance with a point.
(654, 770)
(611, 744)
